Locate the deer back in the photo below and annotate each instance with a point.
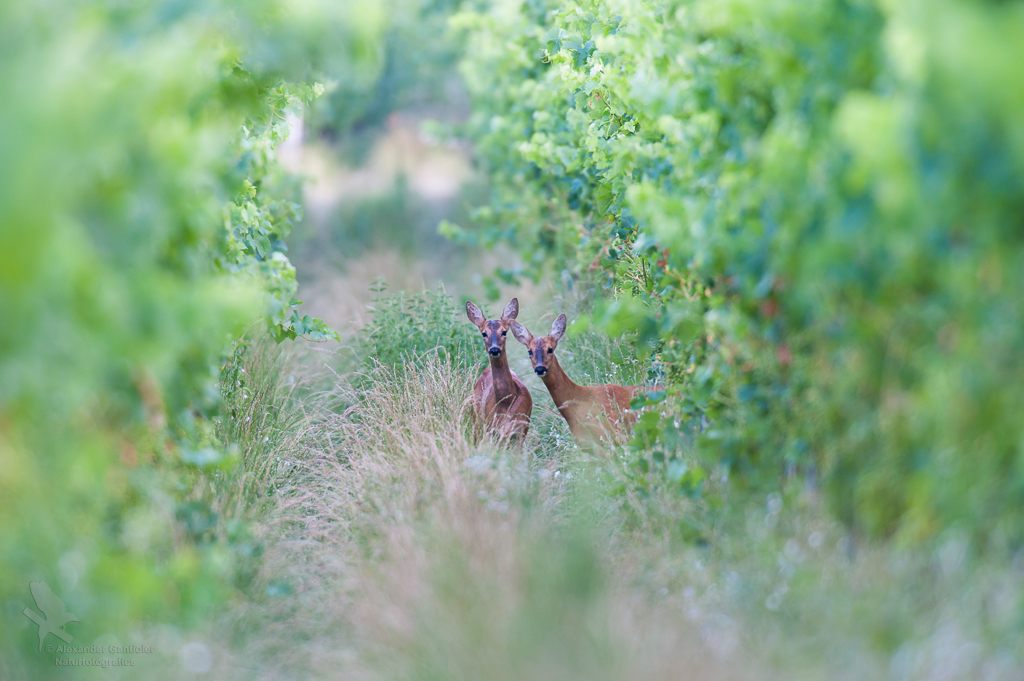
(600, 413)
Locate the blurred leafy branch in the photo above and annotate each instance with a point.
(143, 222)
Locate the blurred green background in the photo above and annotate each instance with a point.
(801, 220)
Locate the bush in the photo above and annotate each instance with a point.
(142, 228)
(810, 211)
(405, 329)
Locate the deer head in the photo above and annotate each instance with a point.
(542, 350)
(493, 330)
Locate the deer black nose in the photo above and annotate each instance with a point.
(494, 352)
(540, 370)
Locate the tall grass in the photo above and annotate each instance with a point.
(397, 547)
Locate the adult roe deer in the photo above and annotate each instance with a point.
(500, 399)
(594, 413)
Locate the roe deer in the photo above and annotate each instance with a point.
(594, 413)
(500, 399)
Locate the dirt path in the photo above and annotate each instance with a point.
(411, 182)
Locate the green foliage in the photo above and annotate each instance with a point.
(809, 211)
(398, 220)
(259, 219)
(415, 69)
(405, 329)
(142, 227)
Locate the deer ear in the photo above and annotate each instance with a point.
(521, 333)
(511, 310)
(474, 313)
(558, 328)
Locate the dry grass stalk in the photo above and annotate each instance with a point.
(410, 552)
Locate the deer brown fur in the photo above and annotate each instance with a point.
(501, 400)
(598, 413)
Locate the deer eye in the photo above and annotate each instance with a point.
(530, 352)
(504, 333)
(485, 334)
(550, 350)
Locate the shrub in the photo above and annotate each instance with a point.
(810, 211)
(142, 229)
(407, 328)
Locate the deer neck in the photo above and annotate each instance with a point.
(561, 387)
(501, 376)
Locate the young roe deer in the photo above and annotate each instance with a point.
(594, 413)
(500, 399)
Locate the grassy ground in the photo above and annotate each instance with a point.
(393, 547)
(398, 548)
